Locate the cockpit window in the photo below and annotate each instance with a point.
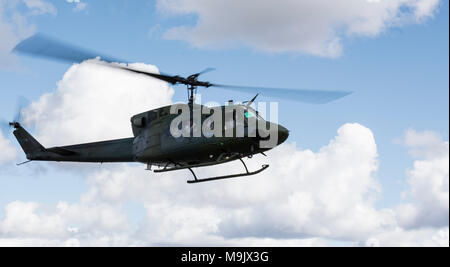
(152, 115)
(249, 114)
(163, 112)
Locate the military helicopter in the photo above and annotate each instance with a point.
(153, 142)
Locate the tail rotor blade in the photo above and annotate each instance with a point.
(22, 103)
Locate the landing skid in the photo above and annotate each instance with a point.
(196, 180)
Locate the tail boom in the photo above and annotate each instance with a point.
(119, 150)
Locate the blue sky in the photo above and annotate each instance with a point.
(399, 77)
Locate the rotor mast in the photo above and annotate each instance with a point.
(192, 90)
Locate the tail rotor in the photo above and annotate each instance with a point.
(6, 125)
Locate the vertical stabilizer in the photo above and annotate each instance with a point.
(29, 145)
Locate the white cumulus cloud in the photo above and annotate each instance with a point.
(428, 182)
(426, 237)
(79, 6)
(327, 194)
(93, 102)
(25, 223)
(8, 152)
(299, 26)
(39, 7)
(306, 199)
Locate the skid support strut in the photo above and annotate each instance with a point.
(246, 173)
(197, 180)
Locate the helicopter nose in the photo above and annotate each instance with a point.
(283, 134)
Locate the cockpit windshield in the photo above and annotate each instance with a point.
(251, 113)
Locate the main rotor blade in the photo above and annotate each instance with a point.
(43, 46)
(168, 78)
(206, 70)
(40, 45)
(301, 95)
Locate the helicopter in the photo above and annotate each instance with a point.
(237, 131)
